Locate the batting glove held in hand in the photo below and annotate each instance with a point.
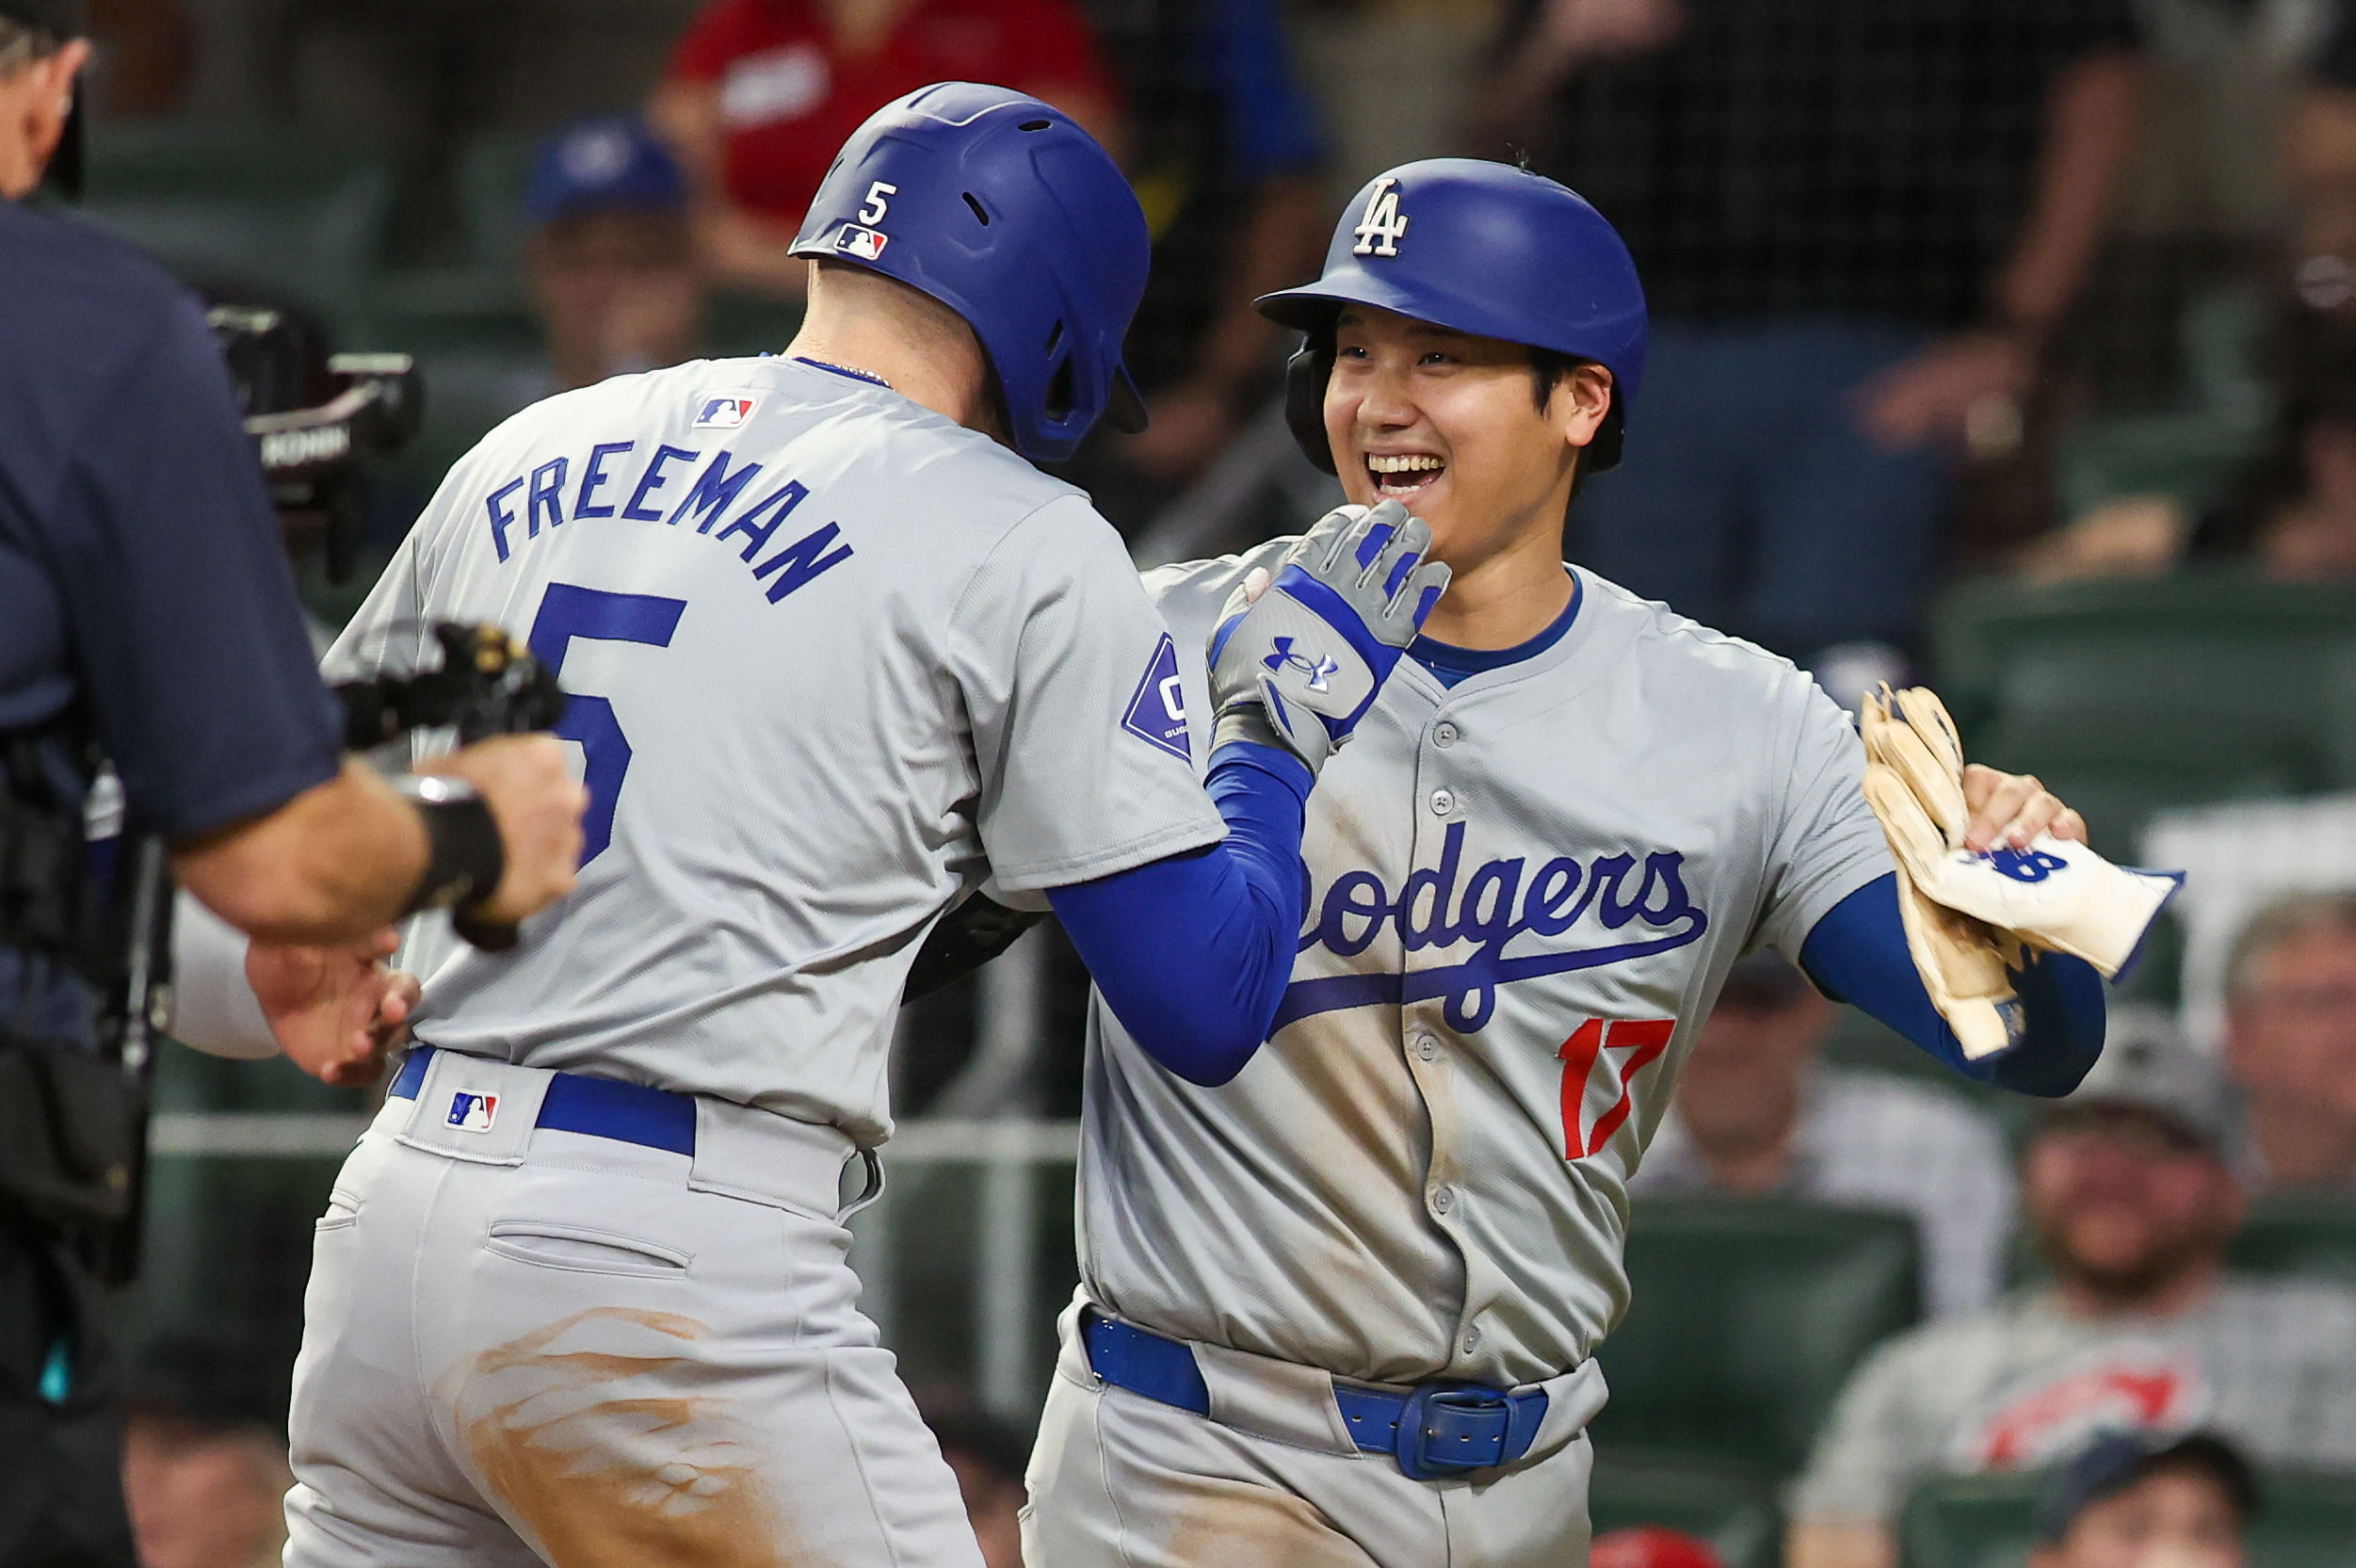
(1967, 913)
(1302, 666)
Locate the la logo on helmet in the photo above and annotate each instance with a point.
(1379, 229)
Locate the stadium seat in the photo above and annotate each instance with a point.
(1729, 1505)
(1748, 1317)
(1969, 1521)
(2304, 1234)
(2128, 696)
(244, 205)
(2304, 1521)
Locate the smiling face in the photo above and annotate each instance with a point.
(1450, 426)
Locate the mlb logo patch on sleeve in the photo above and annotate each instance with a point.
(473, 1112)
(723, 413)
(1157, 712)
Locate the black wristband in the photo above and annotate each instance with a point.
(464, 860)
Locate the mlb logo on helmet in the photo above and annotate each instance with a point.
(473, 1112)
(866, 244)
(723, 413)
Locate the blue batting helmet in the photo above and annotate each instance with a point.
(1005, 211)
(1483, 247)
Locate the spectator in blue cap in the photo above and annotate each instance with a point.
(2144, 1499)
(611, 263)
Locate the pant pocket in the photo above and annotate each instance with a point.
(553, 1244)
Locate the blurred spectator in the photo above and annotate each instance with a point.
(1651, 1546)
(2132, 1202)
(1227, 152)
(1344, 45)
(204, 1456)
(610, 263)
(1858, 221)
(2290, 1041)
(762, 94)
(2293, 515)
(988, 1456)
(2142, 1500)
(1756, 1114)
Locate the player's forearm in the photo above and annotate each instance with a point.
(1858, 954)
(1192, 953)
(334, 863)
(2093, 117)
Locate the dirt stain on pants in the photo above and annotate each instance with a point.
(583, 1430)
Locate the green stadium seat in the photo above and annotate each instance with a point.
(1729, 1505)
(2128, 696)
(2306, 1233)
(2192, 457)
(1748, 1317)
(245, 205)
(1969, 1521)
(2305, 1521)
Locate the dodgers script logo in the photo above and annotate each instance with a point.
(1320, 669)
(1495, 910)
(473, 1112)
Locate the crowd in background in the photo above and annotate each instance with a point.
(2064, 289)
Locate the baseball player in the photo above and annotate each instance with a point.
(1342, 1310)
(837, 655)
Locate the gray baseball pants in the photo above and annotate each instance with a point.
(1120, 1480)
(524, 1346)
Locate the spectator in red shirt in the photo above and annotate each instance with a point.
(762, 92)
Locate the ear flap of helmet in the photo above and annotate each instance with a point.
(1305, 375)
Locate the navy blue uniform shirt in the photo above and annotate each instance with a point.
(141, 573)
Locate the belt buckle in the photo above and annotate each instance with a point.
(1447, 1429)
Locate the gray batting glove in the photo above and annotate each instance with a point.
(1300, 667)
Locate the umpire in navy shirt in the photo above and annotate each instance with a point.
(148, 622)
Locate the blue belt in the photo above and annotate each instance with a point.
(1433, 1432)
(602, 1108)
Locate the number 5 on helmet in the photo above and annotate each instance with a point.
(1301, 665)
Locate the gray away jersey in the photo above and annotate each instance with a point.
(832, 660)
(1523, 896)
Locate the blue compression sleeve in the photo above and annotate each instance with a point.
(1857, 953)
(1193, 953)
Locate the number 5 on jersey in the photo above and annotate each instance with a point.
(1604, 1055)
(567, 612)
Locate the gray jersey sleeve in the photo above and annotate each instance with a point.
(1827, 844)
(389, 631)
(1070, 682)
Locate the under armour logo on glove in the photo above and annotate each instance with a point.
(1300, 665)
(1320, 669)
